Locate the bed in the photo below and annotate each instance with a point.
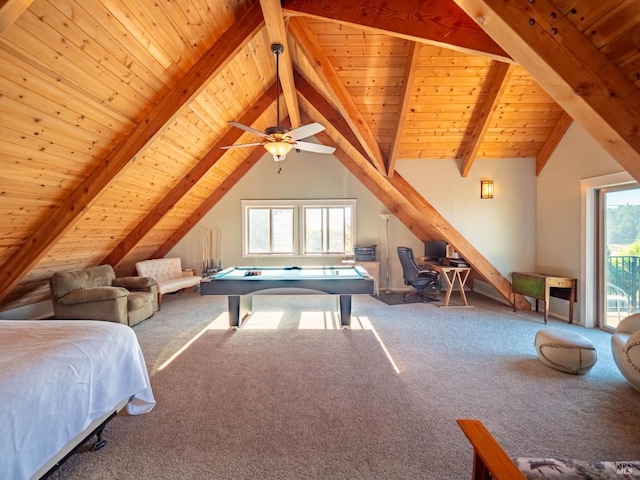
(59, 380)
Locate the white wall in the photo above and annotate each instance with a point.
(558, 223)
(303, 175)
(502, 229)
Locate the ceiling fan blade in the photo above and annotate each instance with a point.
(314, 147)
(248, 129)
(305, 131)
(255, 144)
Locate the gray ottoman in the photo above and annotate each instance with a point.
(565, 351)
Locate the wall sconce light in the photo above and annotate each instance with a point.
(486, 189)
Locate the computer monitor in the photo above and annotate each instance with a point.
(435, 249)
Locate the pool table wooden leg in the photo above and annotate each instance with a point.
(345, 310)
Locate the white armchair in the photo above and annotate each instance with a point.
(625, 345)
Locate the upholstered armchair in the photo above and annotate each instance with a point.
(625, 345)
(95, 293)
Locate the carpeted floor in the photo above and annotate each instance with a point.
(292, 396)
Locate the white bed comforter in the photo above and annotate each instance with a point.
(56, 377)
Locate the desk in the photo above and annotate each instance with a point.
(451, 276)
(240, 283)
(541, 287)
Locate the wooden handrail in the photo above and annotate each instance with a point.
(490, 461)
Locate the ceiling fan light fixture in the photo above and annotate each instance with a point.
(278, 149)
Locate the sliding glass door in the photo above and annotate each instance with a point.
(619, 254)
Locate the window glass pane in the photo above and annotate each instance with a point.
(298, 227)
(336, 230)
(621, 254)
(313, 230)
(259, 230)
(347, 235)
(282, 230)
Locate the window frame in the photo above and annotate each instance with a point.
(299, 227)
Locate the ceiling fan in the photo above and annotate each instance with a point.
(279, 141)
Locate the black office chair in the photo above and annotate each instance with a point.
(416, 277)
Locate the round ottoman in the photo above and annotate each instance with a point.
(565, 351)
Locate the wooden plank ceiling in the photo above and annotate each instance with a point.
(114, 112)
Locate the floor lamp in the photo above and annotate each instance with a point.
(386, 217)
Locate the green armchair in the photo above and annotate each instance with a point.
(95, 293)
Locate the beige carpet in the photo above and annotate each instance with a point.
(292, 396)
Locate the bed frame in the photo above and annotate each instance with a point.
(74, 445)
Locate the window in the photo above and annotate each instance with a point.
(298, 227)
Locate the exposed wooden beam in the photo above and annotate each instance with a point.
(197, 172)
(113, 165)
(10, 10)
(255, 155)
(564, 122)
(347, 107)
(405, 99)
(277, 32)
(494, 96)
(435, 22)
(332, 116)
(375, 182)
(413, 210)
(570, 68)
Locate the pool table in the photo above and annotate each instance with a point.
(241, 283)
